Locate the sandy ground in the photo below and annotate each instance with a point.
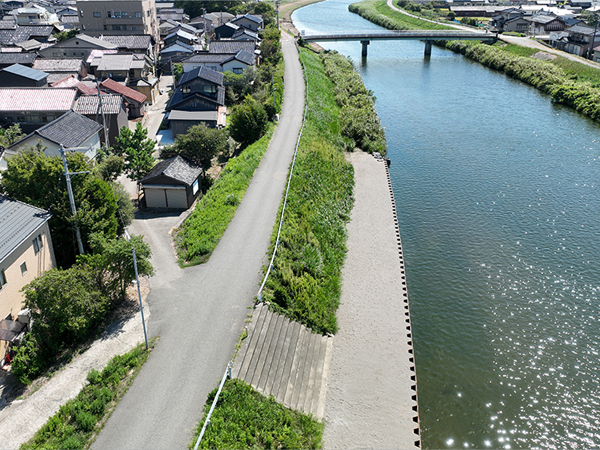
(20, 419)
(369, 391)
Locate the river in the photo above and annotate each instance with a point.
(498, 204)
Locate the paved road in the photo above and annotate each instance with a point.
(199, 312)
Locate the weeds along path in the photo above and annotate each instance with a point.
(199, 311)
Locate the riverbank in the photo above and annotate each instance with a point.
(566, 80)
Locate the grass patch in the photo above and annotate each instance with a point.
(78, 422)
(201, 232)
(516, 49)
(378, 12)
(244, 418)
(305, 281)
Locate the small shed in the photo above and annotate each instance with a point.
(172, 183)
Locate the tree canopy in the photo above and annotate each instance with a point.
(248, 121)
(200, 144)
(136, 149)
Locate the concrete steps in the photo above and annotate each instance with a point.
(284, 359)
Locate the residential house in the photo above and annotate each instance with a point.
(135, 101)
(243, 34)
(34, 14)
(231, 47)
(204, 23)
(544, 24)
(180, 37)
(107, 108)
(118, 17)
(123, 67)
(71, 131)
(141, 44)
(249, 21)
(31, 108)
(198, 98)
(176, 14)
(25, 253)
(58, 69)
(172, 183)
(22, 33)
(225, 31)
(24, 59)
(221, 62)
(22, 76)
(175, 53)
(217, 18)
(478, 10)
(80, 46)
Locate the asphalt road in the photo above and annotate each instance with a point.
(199, 312)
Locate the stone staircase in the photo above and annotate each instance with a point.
(282, 358)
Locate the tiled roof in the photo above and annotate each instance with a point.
(207, 58)
(249, 17)
(201, 72)
(179, 97)
(245, 57)
(542, 18)
(98, 54)
(245, 32)
(36, 99)
(177, 168)
(57, 65)
(181, 34)
(26, 72)
(17, 58)
(7, 25)
(11, 49)
(18, 221)
(178, 47)
(115, 62)
(102, 43)
(70, 130)
(29, 45)
(193, 115)
(112, 85)
(231, 47)
(581, 30)
(71, 81)
(130, 42)
(88, 104)
(23, 33)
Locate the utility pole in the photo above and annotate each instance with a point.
(593, 43)
(71, 198)
(101, 109)
(137, 279)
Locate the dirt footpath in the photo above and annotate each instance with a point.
(369, 401)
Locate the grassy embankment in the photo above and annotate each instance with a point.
(567, 82)
(244, 418)
(78, 422)
(201, 232)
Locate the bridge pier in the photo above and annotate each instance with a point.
(364, 48)
(427, 48)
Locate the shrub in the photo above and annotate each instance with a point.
(248, 122)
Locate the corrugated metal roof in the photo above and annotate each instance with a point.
(88, 104)
(36, 99)
(177, 168)
(26, 72)
(123, 90)
(18, 222)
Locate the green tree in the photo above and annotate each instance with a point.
(136, 149)
(200, 144)
(177, 71)
(38, 180)
(237, 86)
(64, 35)
(10, 135)
(248, 121)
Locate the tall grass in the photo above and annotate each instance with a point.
(244, 418)
(305, 280)
(201, 232)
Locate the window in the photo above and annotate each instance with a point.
(209, 89)
(138, 15)
(117, 14)
(237, 70)
(2, 279)
(38, 243)
(133, 28)
(195, 187)
(97, 14)
(185, 89)
(23, 268)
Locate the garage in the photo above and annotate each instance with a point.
(173, 183)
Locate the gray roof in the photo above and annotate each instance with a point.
(181, 34)
(178, 97)
(57, 65)
(201, 72)
(207, 58)
(102, 43)
(543, 18)
(88, 104)
(130, 42)
(581, 30)
(115, 62)
(70, 129)
(245, 57)
(193, 115)
(17, 58)
(249, 17)
(26, 72)
(18, 221)
(231, 47)
(177, 168)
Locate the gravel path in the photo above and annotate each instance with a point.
(369, 400)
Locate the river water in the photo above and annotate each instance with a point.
(498, 204)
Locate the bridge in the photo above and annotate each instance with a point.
(427, 36)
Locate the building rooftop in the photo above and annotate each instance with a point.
(89, 104)
(115, 62)
(118, 88)
(26, 72)
(57, 65)
(231, 47)
(129, 42)
(18, 221)
(177, 168)
(10, 58)
(201, 72)
(36, 99)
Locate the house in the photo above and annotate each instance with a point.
(217, 18)
(203, 23)
(231, 47)
(132, 44)
(80, 46)
(243, 34)
(58, 69)
(577, 40)
(172, 183)
(123, 67)
(22, 76)
(221, 62)
(175, 53)
(176, 14)
(227, 30)
(33, 107)
(180, 36)
(71, 131)
(109, 107)
(544, 24)
(24, 59)
(253, 23)
(34, 14)
(135, 101)
(25, 253)
(22, 33)
(120, 17)
(83, 87)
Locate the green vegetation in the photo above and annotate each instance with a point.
(10, 135)
(379, 13)
(569, 89)
(305, 281)
(76, 423)
(201, 232)
(358, 119)
(136, 150)
(244, 418)
(248, 121)
(200, 144)
(67, 306)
